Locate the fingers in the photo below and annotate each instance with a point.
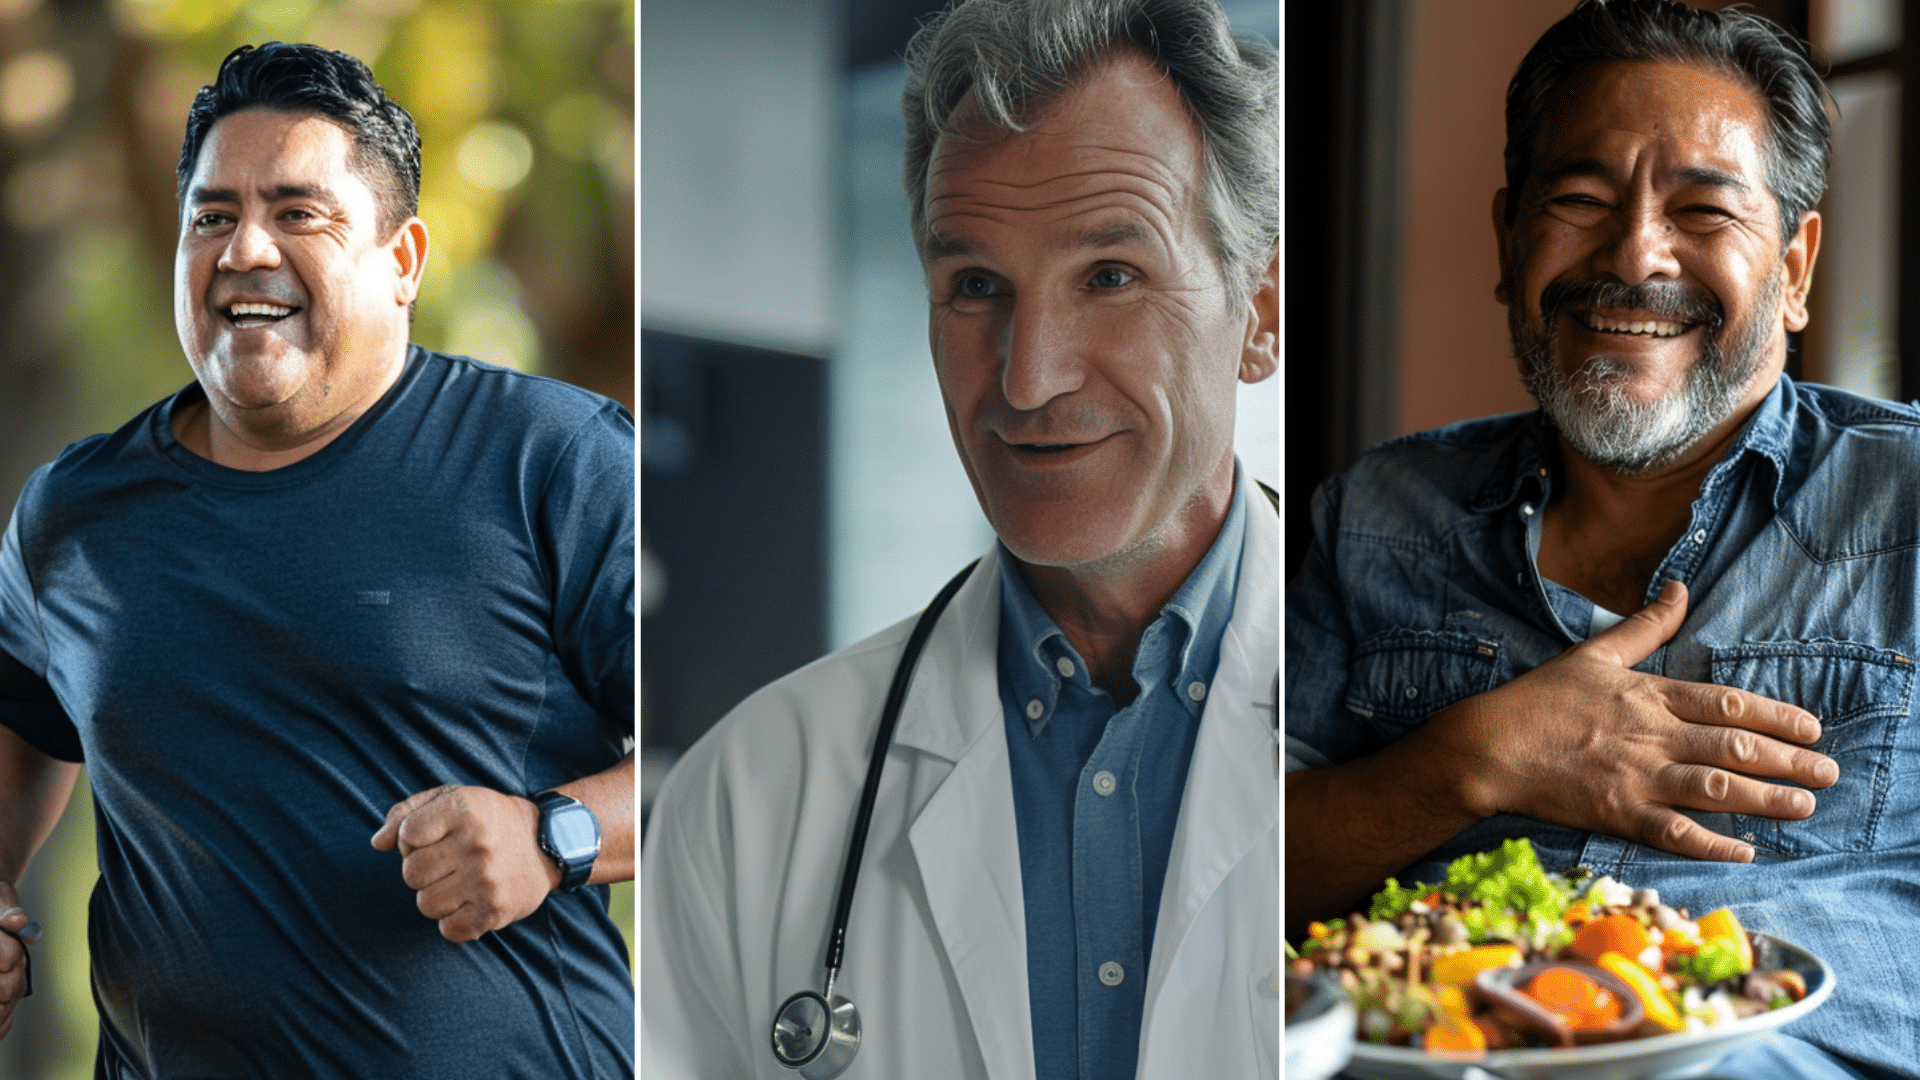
(1705, 703)
(425, 866)
(465, 905)
(1703, 787)
(396, 830)
(1635, 637)
(1754, 754)
(1669, 830)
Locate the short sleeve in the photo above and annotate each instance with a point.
(585, 530)
(27, 702)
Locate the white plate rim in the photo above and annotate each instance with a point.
(1615, 1052)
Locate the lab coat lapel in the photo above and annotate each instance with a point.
(964, 838)
(1232, 797)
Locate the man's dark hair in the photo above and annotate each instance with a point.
(1738, 44)
(310, 79)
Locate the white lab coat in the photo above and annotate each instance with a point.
(744, 851)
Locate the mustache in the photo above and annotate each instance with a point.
(1674, 300)
(274, 286)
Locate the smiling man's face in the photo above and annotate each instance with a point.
(1647, 290)
(289, 299)
(1082, 329)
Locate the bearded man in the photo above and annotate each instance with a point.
(1663, 626)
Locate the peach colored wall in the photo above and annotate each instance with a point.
(1455, 362)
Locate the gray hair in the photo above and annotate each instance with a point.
(1009, 59)
(1739, 44)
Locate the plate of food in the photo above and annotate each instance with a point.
(1507, 970)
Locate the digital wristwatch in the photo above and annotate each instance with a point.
(570, 836)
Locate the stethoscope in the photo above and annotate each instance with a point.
(818, 1033)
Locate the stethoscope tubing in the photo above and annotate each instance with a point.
(882, 740)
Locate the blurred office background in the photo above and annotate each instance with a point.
(799, 489)
(526, 116)
(1395, 122)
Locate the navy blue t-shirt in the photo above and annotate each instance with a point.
(256, 666)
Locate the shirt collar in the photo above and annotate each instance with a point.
(1033, 646)
(1534, 457)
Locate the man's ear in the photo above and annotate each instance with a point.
(1802, 250)
(1503, 289)
(1260, 354)
(409, 250)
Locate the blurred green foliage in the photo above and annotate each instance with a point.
(525, 109)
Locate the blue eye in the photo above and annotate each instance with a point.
(1109, 277)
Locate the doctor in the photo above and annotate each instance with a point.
(1073, 863)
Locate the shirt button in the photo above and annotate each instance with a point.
(1064, 666)
(1700, 537)
(1034, 709)
(1112, 973)
(1412, 692)
(1197, 690)
(1527, 509)
(1104, 783)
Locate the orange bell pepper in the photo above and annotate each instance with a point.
(1622, 934)
(1461, 968)
(1724, 925)
(1455, 1033)
(1659, 1007)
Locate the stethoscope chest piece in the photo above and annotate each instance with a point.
(815, 1035)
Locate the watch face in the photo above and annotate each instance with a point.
(573, 832)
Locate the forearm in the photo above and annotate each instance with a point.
(1351, 825)
(610, 796)
(33, 792)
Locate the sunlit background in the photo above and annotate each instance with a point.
(525, 112)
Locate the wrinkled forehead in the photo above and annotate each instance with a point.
(1687, 116)
(1123, 128)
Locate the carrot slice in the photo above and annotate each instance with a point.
(1614, 933)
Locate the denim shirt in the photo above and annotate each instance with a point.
(1096, 796)
(1802, 563)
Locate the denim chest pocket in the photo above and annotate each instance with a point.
(1861, 695)
(1399, 677)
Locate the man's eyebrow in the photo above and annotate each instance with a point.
(940, 246)
(1701, 175)
(1126, 232)
(1586, 166)
(275, 194)
(1709, 177)
(209, 194)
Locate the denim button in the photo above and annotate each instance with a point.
(1034, 709)
(1197, 691)
(1104, 783)
(1065, 667)
(1112, 973)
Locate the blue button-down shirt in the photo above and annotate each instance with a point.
(1096, 796)
(1802, 561)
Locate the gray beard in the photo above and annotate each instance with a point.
(1593, 411)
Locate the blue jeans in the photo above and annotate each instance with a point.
(1783, 1057)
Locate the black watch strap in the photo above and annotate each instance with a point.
(569, 835)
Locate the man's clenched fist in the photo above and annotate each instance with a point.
(471, 855)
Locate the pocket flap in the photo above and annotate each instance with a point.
(1837, 681)
(1409, 675)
